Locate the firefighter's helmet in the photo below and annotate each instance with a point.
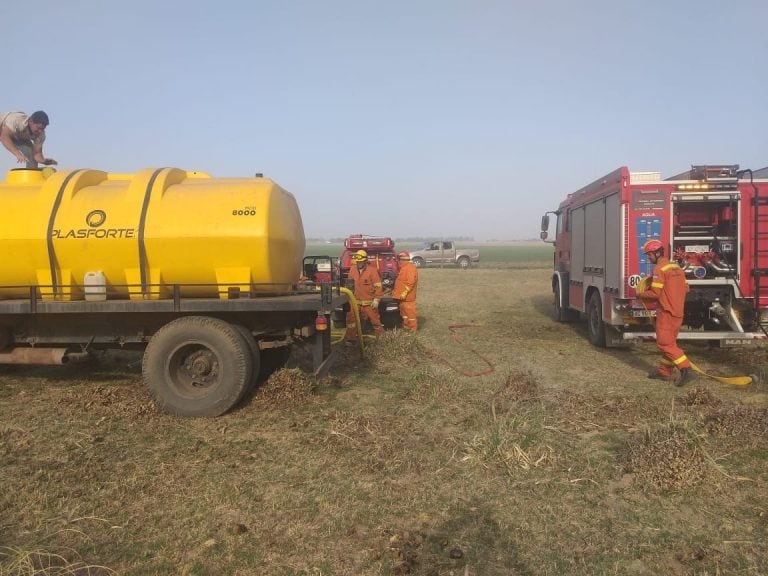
(404, 255)
(652, 246)
(360, 256)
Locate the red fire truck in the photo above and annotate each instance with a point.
(712, 220)
(382, 255)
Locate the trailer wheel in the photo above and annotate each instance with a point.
(418, 262)
(595, 324)
(463, 262)
(197, 366)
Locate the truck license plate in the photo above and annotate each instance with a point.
(643, 313)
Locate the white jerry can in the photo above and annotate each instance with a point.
(95, 284)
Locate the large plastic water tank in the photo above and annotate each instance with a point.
(146, 233)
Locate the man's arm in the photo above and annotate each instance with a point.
(5, 138)
(37, 152)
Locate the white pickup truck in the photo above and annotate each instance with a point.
(444, 252)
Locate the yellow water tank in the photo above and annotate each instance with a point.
(143, 234)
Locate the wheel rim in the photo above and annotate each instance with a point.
(193, 370)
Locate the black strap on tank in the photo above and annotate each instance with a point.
(51, 222)
(142, 221)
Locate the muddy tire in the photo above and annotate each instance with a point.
(595, 324)
(197, 366)
(463, 262)
(418, 262)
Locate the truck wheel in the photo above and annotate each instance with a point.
(418, 262)
(463, 262)
(562, 314)
(197, 366)
(559, 311)
(255, 353)
(595, 324)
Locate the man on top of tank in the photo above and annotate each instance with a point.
(23, 137)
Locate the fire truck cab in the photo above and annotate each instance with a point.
(712, 221)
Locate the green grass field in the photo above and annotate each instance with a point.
(491, 255)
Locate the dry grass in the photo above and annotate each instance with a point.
(559, 459)
(286, 388)
(699, 396)
(739, 421)
(668, 458)
(17, 562)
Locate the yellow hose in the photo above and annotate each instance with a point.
(734, 380)
(356, 310)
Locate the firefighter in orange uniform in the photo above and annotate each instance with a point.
(668, 288)
(368, 292)
(405, 291)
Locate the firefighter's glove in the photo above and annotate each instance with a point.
(644, 284)
(375, 303)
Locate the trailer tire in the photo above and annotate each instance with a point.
(595, 323)
(418, 262)
(197, 366)
(463, 262)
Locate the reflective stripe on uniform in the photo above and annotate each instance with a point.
(680, 360)
(657, 284)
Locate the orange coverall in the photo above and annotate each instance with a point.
(405, 292)
(367, 287)
(669, 288)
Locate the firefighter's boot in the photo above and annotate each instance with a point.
(686, 375)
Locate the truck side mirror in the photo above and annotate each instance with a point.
(544, 225)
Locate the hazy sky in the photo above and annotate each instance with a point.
(402, 118)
